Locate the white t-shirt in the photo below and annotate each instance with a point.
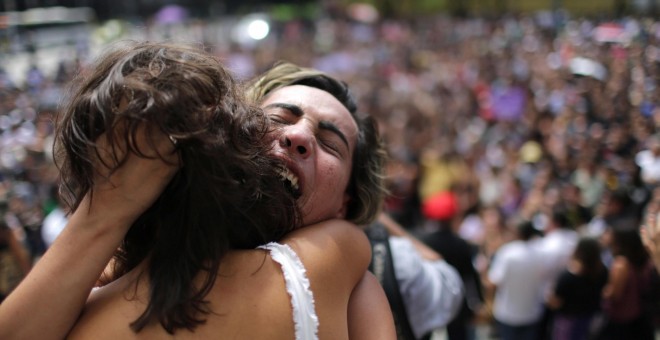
(556, 249)
(517, 272)
(650, 166)
(432, 291)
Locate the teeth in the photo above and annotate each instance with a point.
(287, 175)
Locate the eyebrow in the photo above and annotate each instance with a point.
(298, 112)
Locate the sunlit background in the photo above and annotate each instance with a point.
(514, 107)
(45, 32)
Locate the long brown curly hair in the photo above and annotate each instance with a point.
(227, 195)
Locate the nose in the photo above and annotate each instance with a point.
(297, 140)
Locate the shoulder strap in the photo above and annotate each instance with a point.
(382, 267)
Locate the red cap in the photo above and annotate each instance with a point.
(440, 206)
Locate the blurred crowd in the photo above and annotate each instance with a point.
(521, 118)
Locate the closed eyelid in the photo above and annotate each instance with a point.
(294, 109)
(298, 112)
(324, 125)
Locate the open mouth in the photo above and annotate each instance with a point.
(291, 181)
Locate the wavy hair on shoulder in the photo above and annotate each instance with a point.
(227, 194)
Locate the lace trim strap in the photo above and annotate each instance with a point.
(297, 285)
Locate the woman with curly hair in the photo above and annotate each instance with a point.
(161, 155)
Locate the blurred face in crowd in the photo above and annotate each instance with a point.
(315, 137)
(655, 146)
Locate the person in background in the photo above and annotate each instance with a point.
(14, 260)
(441, 209)
(649, 161)
(577, 293)
(630, 282)
(516, 277)
(615, 207)
(24, 218)
(424, 291)
(557, 244)
(555, 247)
(576, 213)
(650, 230)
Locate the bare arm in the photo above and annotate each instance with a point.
(48, 301)
(650, 231)
(334, 245)
(369, 314)
(396, 230)
(617, 281)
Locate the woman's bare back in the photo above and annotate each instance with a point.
(249, 299)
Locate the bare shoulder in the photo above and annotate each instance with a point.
(331, 243)
(339, 230)
(369, 315)
(249, 299)
(335, 254)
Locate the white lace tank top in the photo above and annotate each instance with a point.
(297, 285)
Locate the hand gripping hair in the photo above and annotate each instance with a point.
(226, 194)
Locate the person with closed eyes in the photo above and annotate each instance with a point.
(222, 220)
